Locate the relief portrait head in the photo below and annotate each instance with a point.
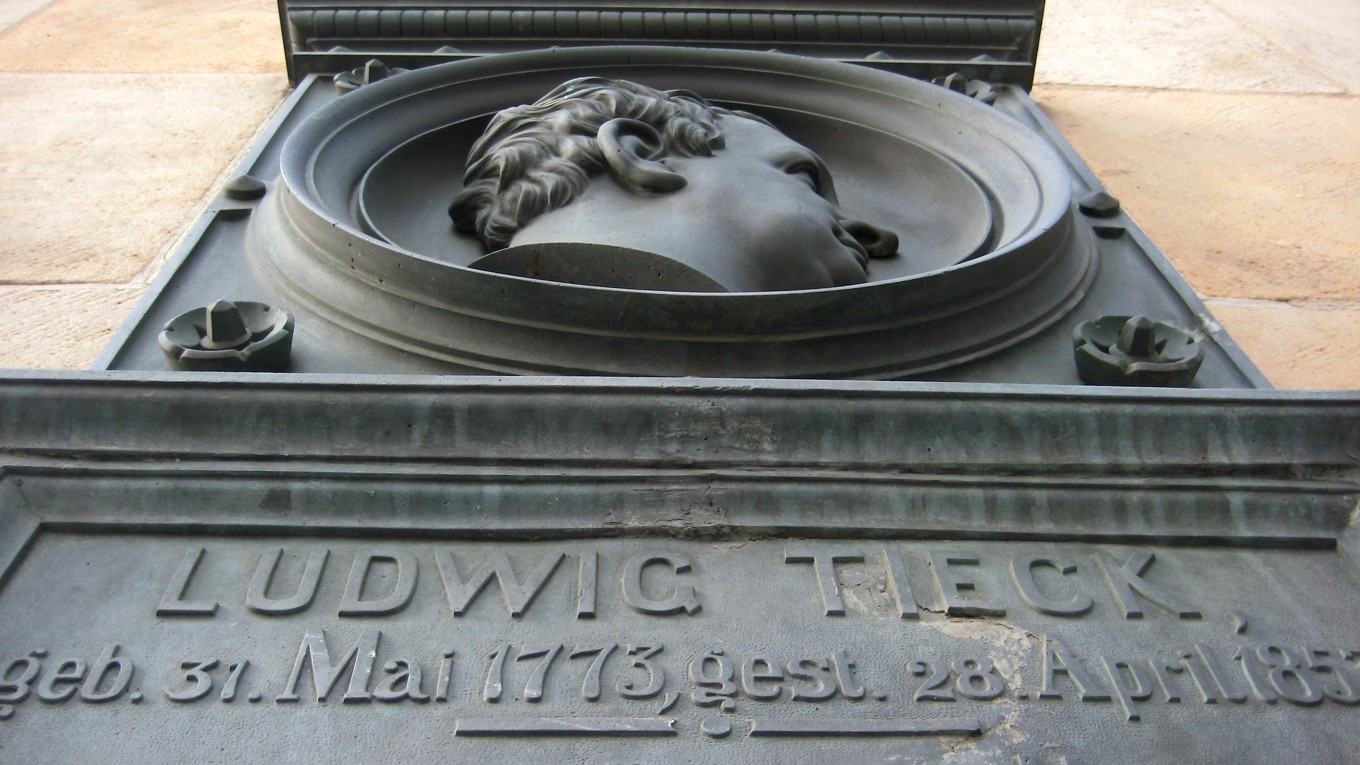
(612, 180)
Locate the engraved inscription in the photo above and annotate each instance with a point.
(663, 583)
(360, 670)
(105, 679)
(617, 638)
(382, 583)
(959, 590)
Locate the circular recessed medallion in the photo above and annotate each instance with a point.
(989, 255)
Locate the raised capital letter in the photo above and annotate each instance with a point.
(682, 598)
(824, 568)
(257, 597)
(1022, 573)
(1127, 579)
(172, 602)
(951, 587)
(353, 605)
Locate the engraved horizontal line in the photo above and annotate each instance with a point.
(564, 726)
(346, 472)
(962, 726)
(77, 385)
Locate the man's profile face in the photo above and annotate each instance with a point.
(759, 215)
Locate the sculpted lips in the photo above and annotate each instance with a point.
(863, 239)
(845, 238)
(866, 240)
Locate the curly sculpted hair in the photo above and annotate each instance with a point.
(536, 158)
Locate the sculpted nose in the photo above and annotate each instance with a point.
(877, 242)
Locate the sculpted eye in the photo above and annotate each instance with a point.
(809, 166)
(806, 169)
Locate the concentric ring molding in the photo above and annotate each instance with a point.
(1038, 264)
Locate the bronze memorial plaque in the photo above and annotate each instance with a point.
(821, 572)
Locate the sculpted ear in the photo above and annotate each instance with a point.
(631, 149)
